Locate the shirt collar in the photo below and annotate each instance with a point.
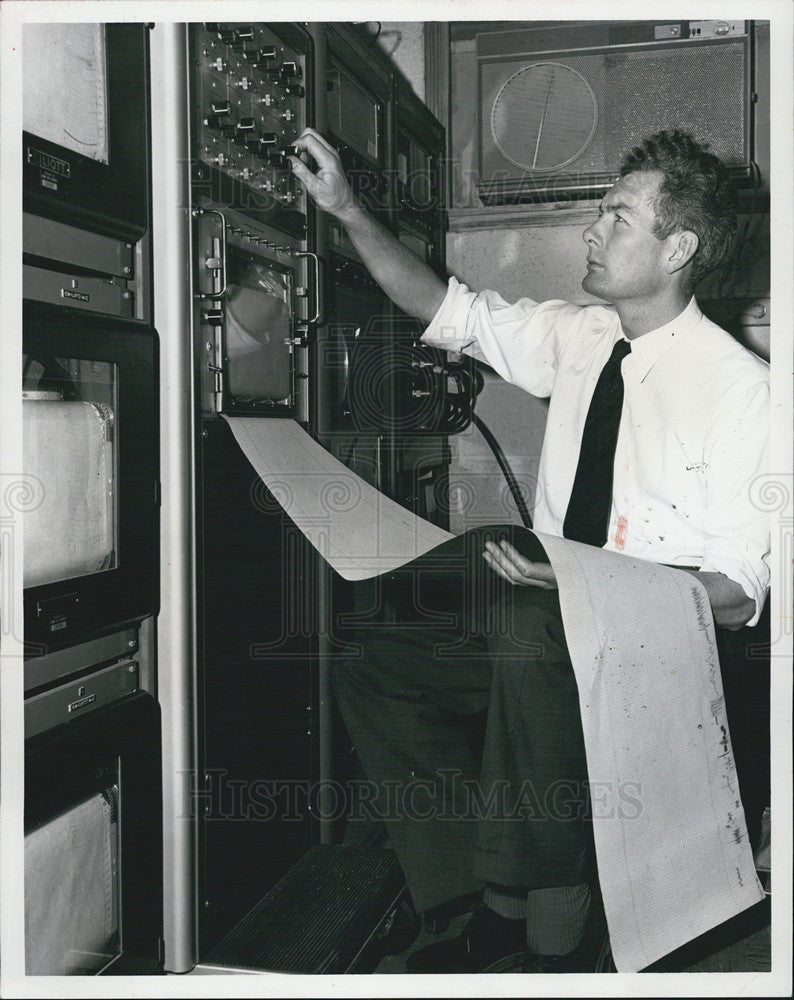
(647, 349)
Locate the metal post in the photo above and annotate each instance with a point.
(176, 623)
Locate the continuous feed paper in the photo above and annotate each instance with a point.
(355, 528)
(671, 840)
(677, 862)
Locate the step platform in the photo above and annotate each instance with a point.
(338, 910)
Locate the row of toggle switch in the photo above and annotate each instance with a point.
(260, 240)
(243, 132)
(286, 76)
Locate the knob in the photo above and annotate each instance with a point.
(228, 35)
(291, 151)
(244, 34)
(251, 55)
(246, 125)
(295, 89)
(288, 115)
(212, 26)
(221, 107)
(267, 52)
(212, 317)
(289, 69)
(269, 139)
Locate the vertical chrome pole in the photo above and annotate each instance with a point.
(176, 623)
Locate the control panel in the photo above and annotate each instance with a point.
(251, 101)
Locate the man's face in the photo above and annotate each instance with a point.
(625, 260)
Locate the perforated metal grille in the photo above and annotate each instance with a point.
(654, 89)
(318, 916)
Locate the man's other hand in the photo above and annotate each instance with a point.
(508, 562)
(327, 187)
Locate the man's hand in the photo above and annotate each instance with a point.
(404, 277)
(328, 187)
(730, 606)
(508, 562)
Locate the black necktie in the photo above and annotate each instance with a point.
(587, 518)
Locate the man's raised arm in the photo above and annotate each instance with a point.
(406, 279)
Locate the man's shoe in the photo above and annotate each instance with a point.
(592, 954)
(573, 962)
(488, 943)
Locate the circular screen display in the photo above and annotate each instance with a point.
(544, 116)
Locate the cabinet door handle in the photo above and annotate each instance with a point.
(315, 318)
(215, 262)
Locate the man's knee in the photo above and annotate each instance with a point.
(528, 622)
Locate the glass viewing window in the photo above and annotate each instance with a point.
(70, 458)
(64, 86)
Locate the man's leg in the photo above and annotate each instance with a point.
(534, 747)
(413, 700)
(532, 849)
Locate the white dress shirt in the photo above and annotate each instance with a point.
(694, 430)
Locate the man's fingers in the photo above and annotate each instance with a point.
(505, 560)
(535, 570)
(301, 171)
(497, 567)
(304, 175)
(323, 152)
(504, 565)
(314, 134)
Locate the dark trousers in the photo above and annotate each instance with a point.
(464, 713)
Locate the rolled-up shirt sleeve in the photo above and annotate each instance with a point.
(738, 527)
(521, 341)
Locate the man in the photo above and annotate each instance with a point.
(657, 425)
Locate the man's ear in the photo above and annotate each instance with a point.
(682, 249)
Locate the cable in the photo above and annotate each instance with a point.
(456, 410)
(507, 472)
(353, 444)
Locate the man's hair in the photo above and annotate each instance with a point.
(695, 194)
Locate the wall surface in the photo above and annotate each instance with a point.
(404, 42)
(539, 262)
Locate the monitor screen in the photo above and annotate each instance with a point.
(258, 346)
(64, 87)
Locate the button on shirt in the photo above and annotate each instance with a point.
(694, 429)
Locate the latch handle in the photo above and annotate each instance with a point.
(316, 317)
(215, 263)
